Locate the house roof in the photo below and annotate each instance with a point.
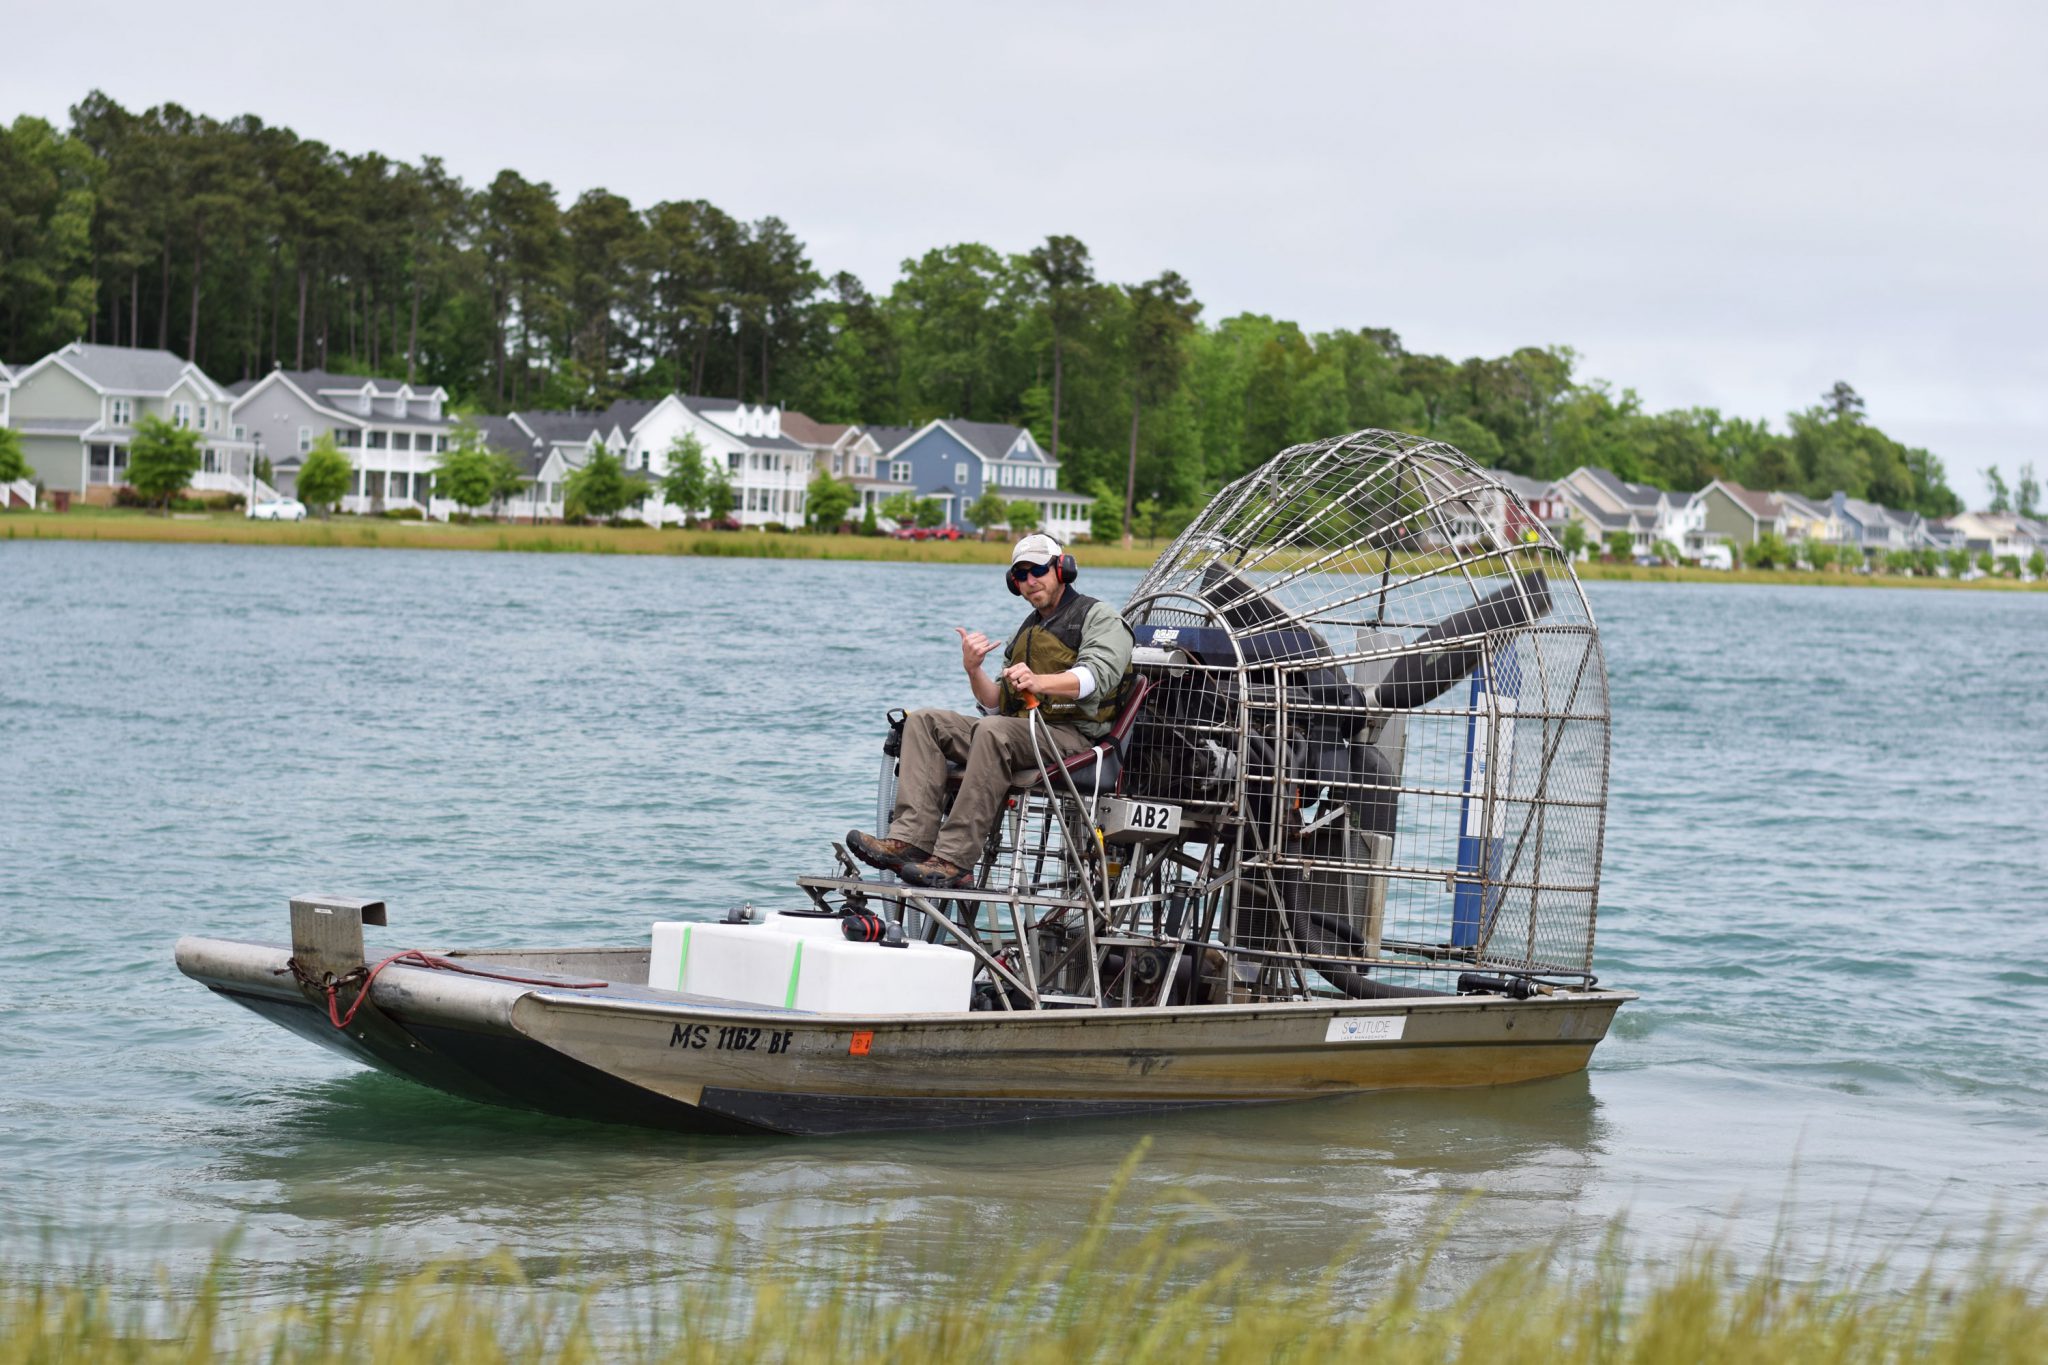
(889, 437)
(1801, 506)
(1759, 504)
(627, 413)
(1600, 516)
(562, 428)
(1866, 513)
(326, 381)
(994, 440)
(1941, 533)
(1629, 494)
(1521, 485)
(506, 436)
(127, 369)
(800, 428)
(324, 386)
(705, 407)
(55, 426)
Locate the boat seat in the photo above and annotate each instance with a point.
(1100, 766)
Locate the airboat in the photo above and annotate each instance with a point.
(1344, 836)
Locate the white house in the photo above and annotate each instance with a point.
(768, 471)
(1997, 534)
(22, 492)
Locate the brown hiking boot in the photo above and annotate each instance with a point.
(936, 872)
(886, 854)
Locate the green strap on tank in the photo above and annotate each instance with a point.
(683, 961)
(796, 969)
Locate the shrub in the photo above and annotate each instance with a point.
(403, 514)
(775, 526)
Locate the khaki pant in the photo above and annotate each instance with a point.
(991, 748)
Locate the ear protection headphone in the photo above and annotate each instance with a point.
(1063, 566)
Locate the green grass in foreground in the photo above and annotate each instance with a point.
(1157, 1300)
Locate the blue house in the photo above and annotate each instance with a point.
(956, 461)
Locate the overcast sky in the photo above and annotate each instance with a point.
(1731, 206)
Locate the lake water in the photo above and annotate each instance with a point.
(1825, 866)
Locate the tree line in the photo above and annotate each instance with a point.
(242, 245)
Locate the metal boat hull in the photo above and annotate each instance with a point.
(630, 1054)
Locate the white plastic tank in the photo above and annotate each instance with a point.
(803, 961)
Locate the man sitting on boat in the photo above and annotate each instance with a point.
(1072, 654)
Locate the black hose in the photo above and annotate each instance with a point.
(1420, 678)
(1315, 931)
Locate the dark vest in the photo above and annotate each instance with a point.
(1052, 644)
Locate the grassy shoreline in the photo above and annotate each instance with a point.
(1167, 1298)
(376, 533)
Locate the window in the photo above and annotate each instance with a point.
(838, 462)
(205, 418)
(377, 440)
(306, 439)
(440, 443)
(102, 460)
(733, 462)
(960, 474)
(899, 471)
(181, 415)
(401, 440)
(399, 484)
(124, 412)
(209, 460)
(348, 438)
(241, 432)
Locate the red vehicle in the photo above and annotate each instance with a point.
(940, 533)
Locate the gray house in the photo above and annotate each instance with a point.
(1872, 528)
(392, 432)
(77, 408)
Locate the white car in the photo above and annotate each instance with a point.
(284, 509)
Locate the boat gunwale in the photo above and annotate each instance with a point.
(669, 1004)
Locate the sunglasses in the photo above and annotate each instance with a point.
(1020, 572)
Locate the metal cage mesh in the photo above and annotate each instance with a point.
(1380, 685)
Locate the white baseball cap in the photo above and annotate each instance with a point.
(1036, 549)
